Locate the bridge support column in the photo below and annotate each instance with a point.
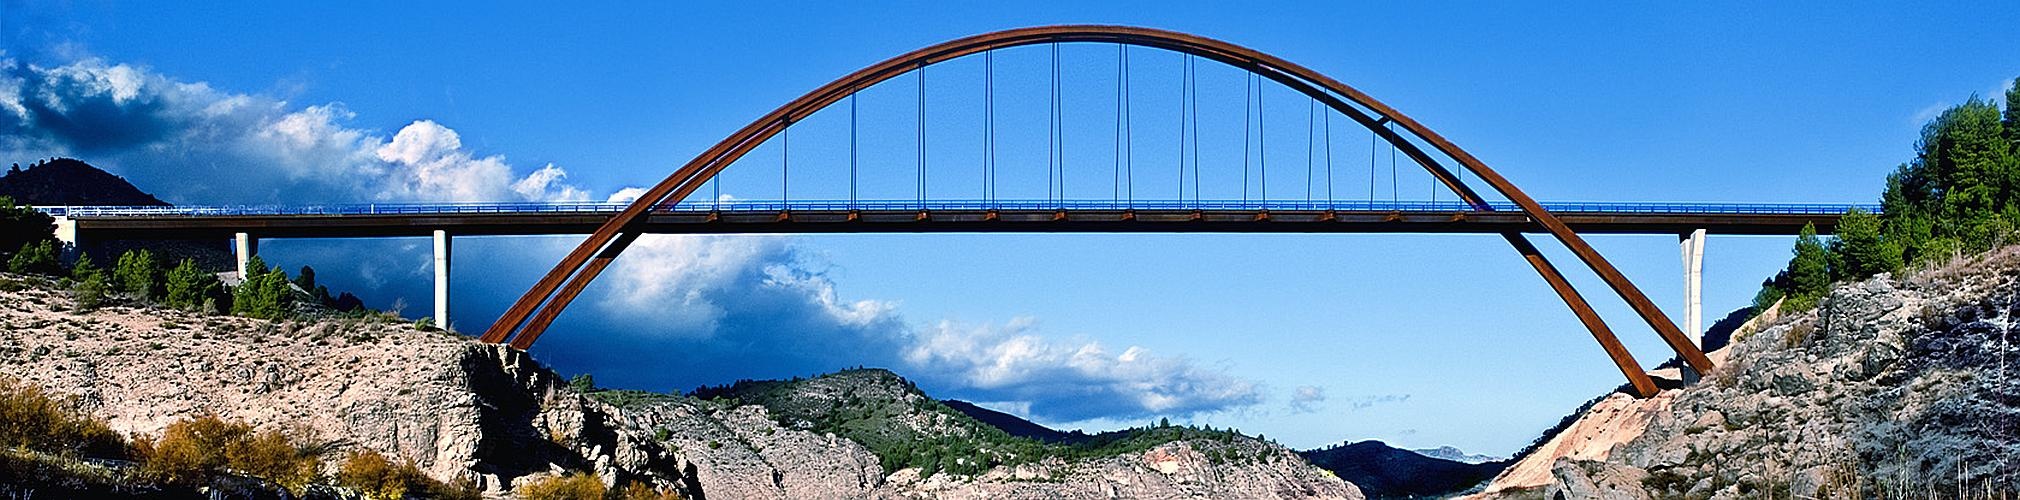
(244, 247)
(66, 233)
(442, 279)
(1693, 286)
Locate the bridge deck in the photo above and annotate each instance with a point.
(381, 220)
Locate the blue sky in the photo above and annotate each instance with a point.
(1418, 340)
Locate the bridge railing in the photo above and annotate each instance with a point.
(907, 205)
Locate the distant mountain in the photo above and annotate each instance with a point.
(1456, 455)
(64, 181)
(1383, 471)
(1016, 426)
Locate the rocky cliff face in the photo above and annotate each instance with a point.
(1890, 387)
(462, 409)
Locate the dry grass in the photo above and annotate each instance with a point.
(195, 451)
(378, 478)
(575, 486)
(33, 419)
(1799, 333)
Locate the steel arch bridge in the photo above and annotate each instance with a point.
(523, 323)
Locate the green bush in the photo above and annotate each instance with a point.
(188, 287)
(21, 225)
(89, 287)
(137, 274)
(38, 257)
(265, 294)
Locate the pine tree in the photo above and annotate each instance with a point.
(189, 286)
(37, 257)
(137, 274)
(84, 268)
(1809, 271)
(1860, 251)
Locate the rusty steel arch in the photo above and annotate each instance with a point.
(528, 317)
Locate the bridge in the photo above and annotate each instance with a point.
(931, 208)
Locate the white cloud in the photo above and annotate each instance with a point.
(712, 306)
(1307, 398)
(194, 144)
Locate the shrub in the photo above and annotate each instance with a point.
(37, 257)
(21, 225)
(640, 491)
(91, 291)
(264, 294)
(576, 486)
(194, 451)
(372, 475)
(33, 419)
(189, 286)
(137, 274)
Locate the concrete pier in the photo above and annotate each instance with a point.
(1693, 285)
(442, 247)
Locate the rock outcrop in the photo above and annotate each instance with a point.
(1888, 387)
(465, 410)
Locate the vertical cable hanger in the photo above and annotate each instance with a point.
(1128, 136)
(989, 127)
(1055, 164)
(1247, 110)
(852, 148)
(1311, 142)
(1184, 87)
(1395, 191)
(1327, 115)
(1115, 192)
(922, 135)
(785, 166)
(1262, 150)
(1192, 77)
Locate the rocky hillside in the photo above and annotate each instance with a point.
(1383, 471)
(933, 450)
(1890, 387)
(64, 181)
(464, 410)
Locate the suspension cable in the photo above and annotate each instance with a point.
(1372, 147)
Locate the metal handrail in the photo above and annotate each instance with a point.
(908, 205)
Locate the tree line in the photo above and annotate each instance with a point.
(139, 276)
(1959, 195)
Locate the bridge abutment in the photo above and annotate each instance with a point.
(442, 247)
(66, 233)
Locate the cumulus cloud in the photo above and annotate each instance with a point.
(182, 138)
(719, 302)
(675, 312)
